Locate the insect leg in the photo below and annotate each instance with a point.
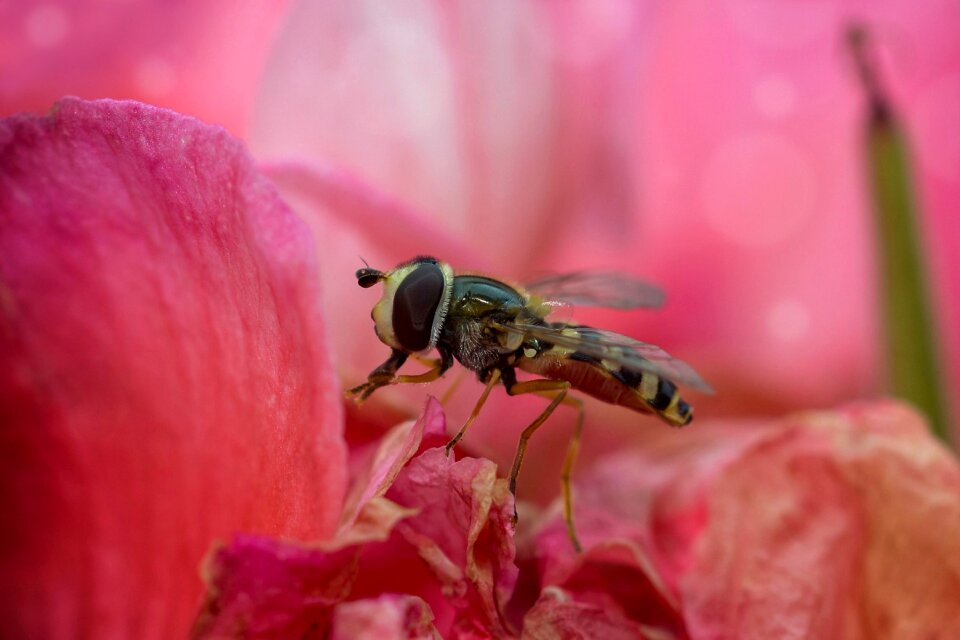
(544, 387)
(386, 374)
(379, 377)
(491, 382)
(427, 362)
(571, 458)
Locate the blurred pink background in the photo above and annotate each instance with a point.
(715, 148)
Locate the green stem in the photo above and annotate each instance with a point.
(911, 345)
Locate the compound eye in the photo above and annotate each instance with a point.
(415, 305)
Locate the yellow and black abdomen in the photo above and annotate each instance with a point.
(606, 380)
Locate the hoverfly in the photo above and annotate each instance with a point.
(493, 329)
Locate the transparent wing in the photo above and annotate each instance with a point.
(629, 354)
(597, 289)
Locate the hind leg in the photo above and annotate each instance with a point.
(546, 388)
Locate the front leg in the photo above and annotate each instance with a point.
(379, 377)
(386, 374)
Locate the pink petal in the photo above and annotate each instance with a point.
(463, 532)
(274, 589)
(855, 522)
(389, 617)
(165, 378)
(755, 213)
(501, 117)
(168, 54)
(556, 615)
(832, 524)
(615, 575)
(393, 452)
(451, 516)
(281, 589)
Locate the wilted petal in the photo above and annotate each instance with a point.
(164, 378)
(389, 617)
(260, 587)
(613, 573)
(463, 532)
(557, 616)
(833, 524)
(390, 455)
(855, 521)
(272, 588)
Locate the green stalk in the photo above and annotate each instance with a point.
(911, 344)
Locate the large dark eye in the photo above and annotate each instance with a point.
(415, 304)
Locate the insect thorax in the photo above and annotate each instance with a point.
(467, 332)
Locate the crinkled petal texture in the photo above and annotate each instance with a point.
(165, 380)
(410, 507)
(838, 524)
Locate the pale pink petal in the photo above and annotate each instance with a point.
(389, 617)
(755, 209)
(390, 455)
(854, 522)
(496, 120)
(165, 380)
(557, 616)
(831, 524)
(202, 57)
(463, 532)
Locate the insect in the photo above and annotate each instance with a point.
(494, 329)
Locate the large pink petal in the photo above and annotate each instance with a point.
(202, 58)
(495, 120)
(165, 379)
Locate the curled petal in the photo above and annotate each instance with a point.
(614, 574)
(557, 615)
(391, 454)
(833, 524)
(267, 587)
(463, 532)
(165, 380)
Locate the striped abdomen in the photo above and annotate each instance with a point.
(606, 380)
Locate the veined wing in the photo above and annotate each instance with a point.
(597, 289)
(629, 354)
